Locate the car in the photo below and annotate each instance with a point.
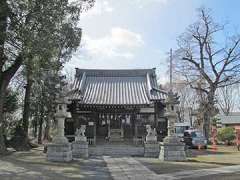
(181, 127)
(195, 139)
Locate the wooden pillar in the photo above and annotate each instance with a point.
(109, 126)
(133, 123)
(75, 120)
(155, 114)
(122, 129)
(95, 126)
(135, 130)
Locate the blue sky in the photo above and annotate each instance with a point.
(139, 33)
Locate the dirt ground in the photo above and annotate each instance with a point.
(33, 165)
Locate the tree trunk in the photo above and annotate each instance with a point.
(47, 129)
(206, 124)
(35, 126)
(3, 27)
(26, 110)
(40, 125)
(3, 90)
(40, 131)
(209, 112)
(3, 148)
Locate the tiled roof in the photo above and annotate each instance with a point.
(230, 119)
(116, 87)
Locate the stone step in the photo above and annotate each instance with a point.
(115, 130)
(116, 139)
(116, 150)
(115, 135)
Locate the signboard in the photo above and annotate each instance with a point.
(91, 123)
(147, 110)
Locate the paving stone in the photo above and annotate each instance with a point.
(130, 168)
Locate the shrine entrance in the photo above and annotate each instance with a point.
(116, 126)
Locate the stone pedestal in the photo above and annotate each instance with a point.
(151, 139)
(172, 149)
(81, 139)
(80, 149)
(151, 149)
(59, 152)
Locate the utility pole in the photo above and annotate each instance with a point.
(171, 71)
(172, 149)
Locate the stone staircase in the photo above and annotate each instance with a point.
(116, 150)
(115, 135)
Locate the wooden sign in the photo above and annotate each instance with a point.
(91, 123)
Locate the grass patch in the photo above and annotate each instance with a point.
(223, 155)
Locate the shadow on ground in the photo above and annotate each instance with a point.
(33, 165)
(161, 167)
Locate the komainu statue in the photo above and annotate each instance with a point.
(151, 134)
(80, 133)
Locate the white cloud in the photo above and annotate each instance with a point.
(114, 50)
(119, 43)
(124, 37)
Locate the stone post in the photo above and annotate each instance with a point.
(60, 148)
(171, 148)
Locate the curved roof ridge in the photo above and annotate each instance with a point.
(115, 72)
(122, 69)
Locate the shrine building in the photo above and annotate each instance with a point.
(116, 105)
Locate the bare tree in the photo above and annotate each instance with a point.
(207, 64)
(187, 99)
(226, 99)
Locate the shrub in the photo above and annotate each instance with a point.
(226, 134)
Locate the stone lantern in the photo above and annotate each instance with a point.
(171, 148)
(60, 115)
(60, 148)
(171, 113)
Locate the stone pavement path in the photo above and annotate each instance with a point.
(122, 168)
(130, 168)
